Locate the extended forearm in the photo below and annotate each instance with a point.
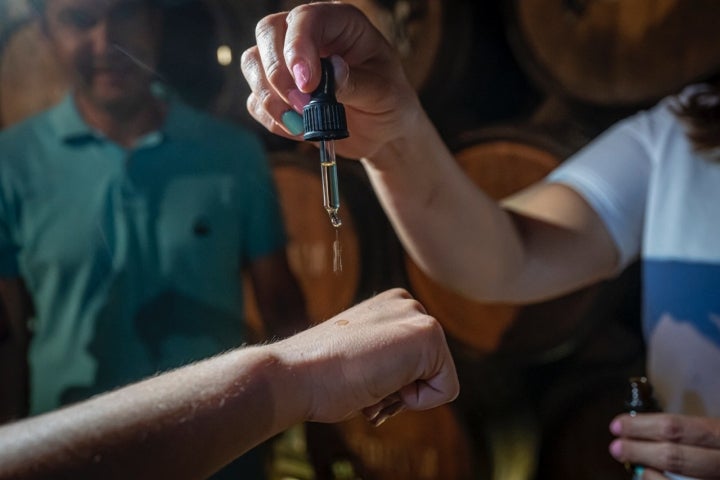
(186, 424)
(450, 228)
(190, 422)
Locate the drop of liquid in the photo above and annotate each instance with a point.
(335, 220)
(337, 253)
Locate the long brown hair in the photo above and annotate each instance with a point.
(700, 112)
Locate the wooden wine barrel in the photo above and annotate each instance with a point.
(369, 253)
(502, 161)
(203, 41)
(31, 80)
(615, 53)
(427, 445)
(328, 284)
(234, 31)
(432, 38)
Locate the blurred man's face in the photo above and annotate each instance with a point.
(107, 46)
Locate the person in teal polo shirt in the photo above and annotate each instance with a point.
(127, 219)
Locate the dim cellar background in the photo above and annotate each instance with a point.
(515, 87)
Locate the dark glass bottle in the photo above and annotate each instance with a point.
(640, 399)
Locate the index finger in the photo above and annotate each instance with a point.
(696, 462)
(682, 429)
(321, 30)
(270, 37)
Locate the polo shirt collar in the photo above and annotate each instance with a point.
(70, 127)
(68, 123)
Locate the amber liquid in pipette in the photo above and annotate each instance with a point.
(331, 196)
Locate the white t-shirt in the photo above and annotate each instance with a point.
(661, 202)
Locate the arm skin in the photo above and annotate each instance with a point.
(190, 422)
(278, 295)
(680, 444)
(15, 310)
(541, 243)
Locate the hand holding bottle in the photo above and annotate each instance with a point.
(663, 442)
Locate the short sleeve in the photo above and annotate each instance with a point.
(263, 220)
(612, 174)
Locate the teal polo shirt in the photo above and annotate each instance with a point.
(133, 257)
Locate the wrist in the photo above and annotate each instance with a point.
(415, 139)
(291, 385)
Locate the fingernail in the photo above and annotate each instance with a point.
(394, 409)
(615, 427)
(376, 422)
(301, 72)
(638, 472)
(372, 414)
(293, 121)
(298, 100)
(615, 448)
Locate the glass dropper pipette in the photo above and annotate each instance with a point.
(324, 121)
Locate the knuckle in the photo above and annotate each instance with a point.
(708, 438)
(265, 26)
(300, 10)
(437, 328)
(248, 58)
(671, 457)
(250, 66)
(712, 437)
(252, 104)
(291, 45)
(265, 99)
(429, 324)
(259, 114)
(671, 428)
(274, 71)
(400, 292)
(416, 305)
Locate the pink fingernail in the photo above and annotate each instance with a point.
(615, 427)
(301, 72)
(616, 448)
(298, 100)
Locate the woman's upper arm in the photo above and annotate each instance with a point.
(584, 222)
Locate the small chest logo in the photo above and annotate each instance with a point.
(201, 227)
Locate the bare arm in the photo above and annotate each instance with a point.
(278, 295)
(190, 422)
(15, 310)
(541, 243)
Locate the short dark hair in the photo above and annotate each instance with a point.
(701, 114)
